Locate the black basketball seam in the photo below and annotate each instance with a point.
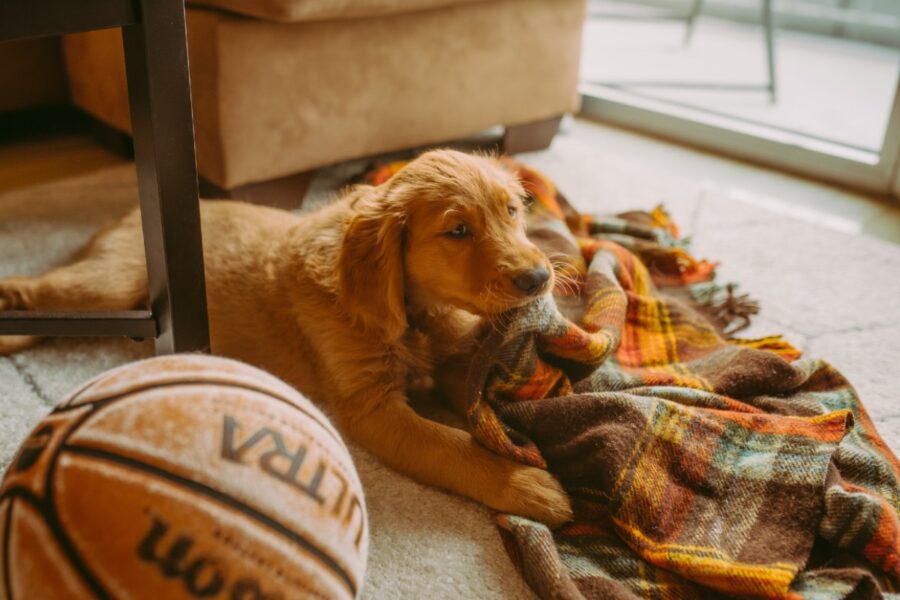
(52, 517)
(214, 494)
(23, 493)
(7, 585)
(328, 427)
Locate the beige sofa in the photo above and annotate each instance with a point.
(284, 86)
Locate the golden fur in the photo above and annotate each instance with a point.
(353, 304)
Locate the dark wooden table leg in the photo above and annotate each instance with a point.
(530, 136)
(159, 85)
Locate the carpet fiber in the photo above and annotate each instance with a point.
(830, 293)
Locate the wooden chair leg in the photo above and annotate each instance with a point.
(527, 137)
(160, 100)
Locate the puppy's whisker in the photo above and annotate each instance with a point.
(569, 281)
(568, 275)
(566, 287)
(563, 266)
(570, 278)
(565, 278)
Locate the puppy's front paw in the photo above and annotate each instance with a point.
(536, 494)
(13, 295)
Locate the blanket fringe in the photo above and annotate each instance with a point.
(729, 312)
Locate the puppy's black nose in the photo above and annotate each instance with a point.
(532, 281)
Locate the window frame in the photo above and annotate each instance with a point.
(869, 171)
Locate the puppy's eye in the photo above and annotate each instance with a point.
(460, 231)
(512, 210)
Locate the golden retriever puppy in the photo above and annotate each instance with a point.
(350, 304)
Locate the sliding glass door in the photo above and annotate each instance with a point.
(818, 100)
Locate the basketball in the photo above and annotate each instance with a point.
(183, 476)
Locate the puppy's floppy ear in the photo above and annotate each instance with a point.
(370, 264)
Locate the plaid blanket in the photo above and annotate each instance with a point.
(699, 465)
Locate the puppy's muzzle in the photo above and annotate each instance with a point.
(532, 281)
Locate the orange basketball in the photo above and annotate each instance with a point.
(182, 477)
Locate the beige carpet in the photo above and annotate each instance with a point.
(834, 295)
